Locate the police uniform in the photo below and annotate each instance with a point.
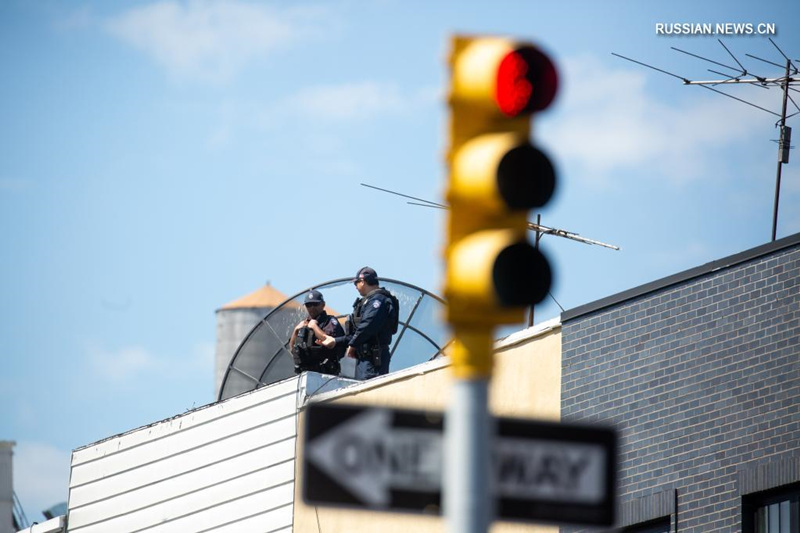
(370, 330)
(309, 356)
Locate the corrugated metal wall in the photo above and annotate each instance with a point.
(226, 467)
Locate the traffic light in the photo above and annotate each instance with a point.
(495, 177)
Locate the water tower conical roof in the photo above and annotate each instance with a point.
(265, 296)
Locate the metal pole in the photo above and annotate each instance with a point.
(780, 150)
(536, 245)
(468, 504)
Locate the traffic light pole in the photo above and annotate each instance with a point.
(493, 273)
(468, 503)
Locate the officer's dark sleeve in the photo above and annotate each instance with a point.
(335, 330)
(339, 335)
(372, 320)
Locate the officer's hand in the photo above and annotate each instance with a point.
(351, 352)
(327, 342)
(312, 323)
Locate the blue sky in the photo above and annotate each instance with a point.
(159, 159)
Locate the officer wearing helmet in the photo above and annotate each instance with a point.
(370, 327)
(308, 354)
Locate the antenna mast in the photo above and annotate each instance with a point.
(787, 82)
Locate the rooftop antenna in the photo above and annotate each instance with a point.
(537, 227)
(741, 75)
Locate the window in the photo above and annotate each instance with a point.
(775, 511)
(660, 525)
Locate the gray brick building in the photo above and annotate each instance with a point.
(700, 372)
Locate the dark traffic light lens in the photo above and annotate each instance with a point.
(521, 275)
(525, 177)
(526, 82)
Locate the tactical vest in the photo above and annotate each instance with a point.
(358, 308)
(309, 355)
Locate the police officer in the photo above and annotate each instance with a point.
(307, 353)
(370, 327)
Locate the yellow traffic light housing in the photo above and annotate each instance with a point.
(493, 273)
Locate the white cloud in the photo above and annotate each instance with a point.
(324, 117)
(129, 363)
(612, 123)
(355, 101)
(332, 104)
(41, 476)
(123, 364)
(209, 40)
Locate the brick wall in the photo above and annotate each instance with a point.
(701, 375)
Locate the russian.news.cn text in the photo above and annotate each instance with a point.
(718, 28)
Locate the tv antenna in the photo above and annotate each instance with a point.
(741, 75)
(537, 227)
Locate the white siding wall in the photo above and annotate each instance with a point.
(224, 468)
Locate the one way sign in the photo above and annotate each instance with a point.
(388, 459)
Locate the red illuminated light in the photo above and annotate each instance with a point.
(526, 82)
